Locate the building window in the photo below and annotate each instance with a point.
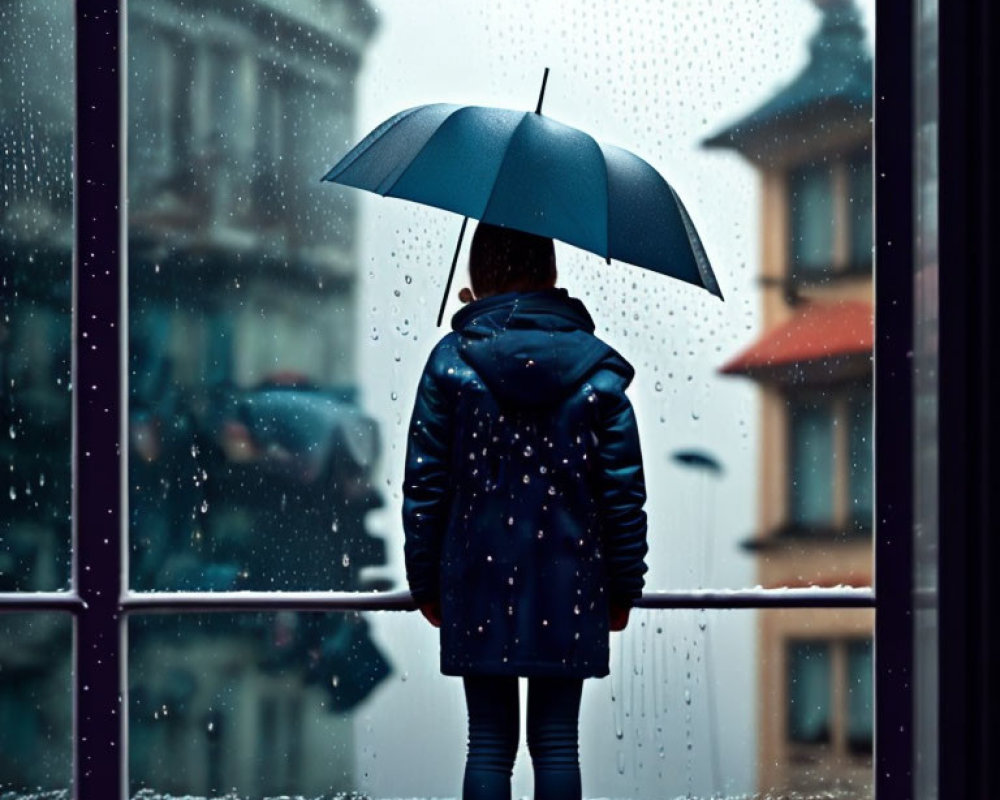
(861, 500)
(860, 696)
(860, 211)
(811, 463)
(809, 692)
(830, 217)
(812, 211)
(831, 694)
(830, 461)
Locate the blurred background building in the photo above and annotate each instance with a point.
(36, 247)
(250, 461)
(811, 143)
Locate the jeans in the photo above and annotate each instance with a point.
(494, 722)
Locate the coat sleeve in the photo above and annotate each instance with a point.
(622, 488)
(426, 495)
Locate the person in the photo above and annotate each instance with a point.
(525, 535)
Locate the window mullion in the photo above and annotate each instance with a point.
(893, 402)
(98, 690)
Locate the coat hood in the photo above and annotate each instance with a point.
(533, 348)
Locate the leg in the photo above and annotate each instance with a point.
(553, 719)
(493, 728)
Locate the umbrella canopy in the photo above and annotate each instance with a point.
(523, 170)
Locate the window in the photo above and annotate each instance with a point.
(830, 695)
(812, 204)
(189, 335)
(859, 199)
(830, 207)
(812, 464)
(830, 457)
(809, 713)
(860, 696)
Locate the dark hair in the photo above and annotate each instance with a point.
(508, 260)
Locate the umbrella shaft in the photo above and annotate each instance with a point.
(451, 272)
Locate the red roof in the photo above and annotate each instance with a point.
(819, 330)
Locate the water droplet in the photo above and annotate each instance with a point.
(346, 560)
(204, 506)
(13, 493)
(658, 386)
(13, 432)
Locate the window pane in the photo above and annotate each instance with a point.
(315, 704)
(812, 210)
(36, 704)
(812, 465)
(36, 251)
(251, 458)
(279, 326)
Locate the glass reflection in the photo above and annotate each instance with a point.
(36, 249)
(36, 704)
(266, 705)
(251, 460)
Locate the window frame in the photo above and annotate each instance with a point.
(99, 597)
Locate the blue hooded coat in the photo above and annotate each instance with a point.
(524, 489)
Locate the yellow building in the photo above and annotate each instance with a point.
(811, 144)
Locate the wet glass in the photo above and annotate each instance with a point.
(36, 705)
(314, 705)
(278, 326)
(36, 254)
(251, 455)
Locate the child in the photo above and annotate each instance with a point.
(523, 495)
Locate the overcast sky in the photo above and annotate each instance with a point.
(655, 77)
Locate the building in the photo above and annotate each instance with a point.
(250, 462)
(812, 146)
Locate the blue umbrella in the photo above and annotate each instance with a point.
(522, 170)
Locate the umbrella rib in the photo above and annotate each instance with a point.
(607, 207)
(388, 189)
(506, 151)
(373, 138)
